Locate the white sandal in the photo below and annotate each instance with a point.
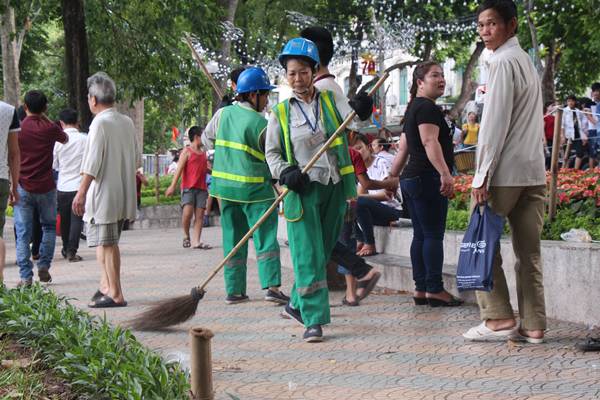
(481, 333)
(517, 336)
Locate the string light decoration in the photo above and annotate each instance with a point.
(389, 31)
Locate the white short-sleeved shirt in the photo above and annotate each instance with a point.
(111, 156)
(8, 123)
(67, 160)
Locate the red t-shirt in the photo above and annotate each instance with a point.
(357, 162)
(549, 128)
(194, 173)
(36, 143)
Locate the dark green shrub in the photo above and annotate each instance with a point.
(98, 360)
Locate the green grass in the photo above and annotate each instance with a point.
(20, 383)
(98, 360)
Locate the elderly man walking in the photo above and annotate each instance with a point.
(106, 195)
(510, 176)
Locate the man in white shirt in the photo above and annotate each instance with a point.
(67, 161)
(107, 195)
(9, 168)
(510, 176)
(574, 129)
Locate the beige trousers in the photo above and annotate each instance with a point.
(524, 209)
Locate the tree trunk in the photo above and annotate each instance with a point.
(225, 53)
(534, 39)
(551, 61)
(468, 87)
(10, 56)
(76, 58)
(352, 78)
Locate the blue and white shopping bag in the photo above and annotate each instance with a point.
(477, 250)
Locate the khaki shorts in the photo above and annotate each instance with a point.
(195, 197)
(4, 192)
(103, 234)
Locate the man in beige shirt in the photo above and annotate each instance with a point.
(510, 176)
(107, 193)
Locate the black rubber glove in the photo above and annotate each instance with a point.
(362, 103)
(294, 179)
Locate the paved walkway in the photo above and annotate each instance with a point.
(385, 349)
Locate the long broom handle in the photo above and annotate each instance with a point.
(285, 191)
(211, 80)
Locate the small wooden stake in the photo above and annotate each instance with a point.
(201, 364)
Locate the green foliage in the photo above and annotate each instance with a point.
(149, 192)
(98, 360)
(457, 220)
(579, 215)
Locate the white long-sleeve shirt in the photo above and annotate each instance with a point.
(568, 123)
(510, 149)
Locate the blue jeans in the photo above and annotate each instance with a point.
(45, 204)
(370, 212)
(428, 209)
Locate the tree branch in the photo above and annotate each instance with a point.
(534, 38)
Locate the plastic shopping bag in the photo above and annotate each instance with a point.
(477, 250)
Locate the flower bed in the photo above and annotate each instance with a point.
(578, 203)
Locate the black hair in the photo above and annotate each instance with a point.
(21, 114)
(322, 39)
(595, 86)
(303, 59)
(235, 74)
(383, 143)
(246, 96)
(362, 138)
(507, 9)
(193, 132)
(572, 97)
(547, 104)
(68, 116)
(36, 101)
(419, 74)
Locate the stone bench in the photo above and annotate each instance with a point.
(571, 270)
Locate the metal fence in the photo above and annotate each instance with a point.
(148, 162)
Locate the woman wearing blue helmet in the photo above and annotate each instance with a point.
(316, 204)
(242, 181)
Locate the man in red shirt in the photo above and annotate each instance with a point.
(37, 190)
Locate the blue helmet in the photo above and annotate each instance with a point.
(253, 79)
(301, 48)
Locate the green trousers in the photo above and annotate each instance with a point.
(236, 220)
(312, 239)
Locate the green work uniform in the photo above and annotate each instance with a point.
(242, 180)
(315, 217)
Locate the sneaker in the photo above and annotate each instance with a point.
(44, 276)
(24, 283)
(63, 252)
(35, 257)
(236, 298)
(276, 297)
(313, 334)
(74, 257)
(291, 313)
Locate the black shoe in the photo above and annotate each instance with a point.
(63, 252)
(420, 301)
(454, 302)
(291, 313)
(592, 344)
(276, 297)
(236, 299)
(35, 256)
(74, 257)
(313, 334)
(44, 276)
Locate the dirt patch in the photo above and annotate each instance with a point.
(24, 376)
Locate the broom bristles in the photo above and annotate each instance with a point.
(166, 313)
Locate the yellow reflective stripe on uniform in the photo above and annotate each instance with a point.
(283, 122)
(347, 170)
(238, 178)
(337, 142)
(240, 146)
(330, 108)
